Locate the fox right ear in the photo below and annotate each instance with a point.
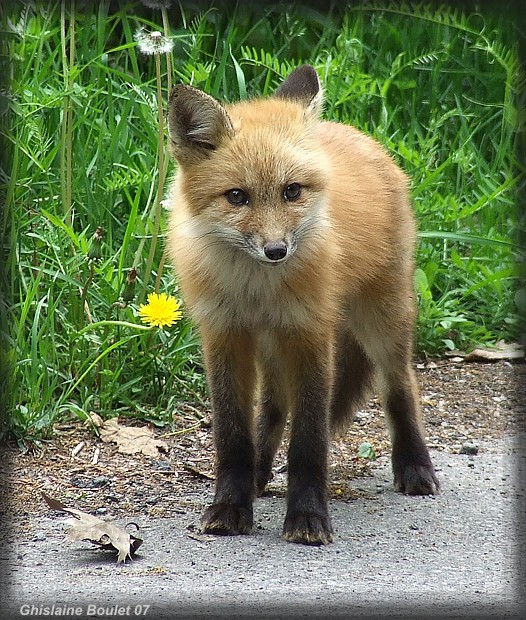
(303, 85)
(197, 123)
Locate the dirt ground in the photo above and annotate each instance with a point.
(464, 404)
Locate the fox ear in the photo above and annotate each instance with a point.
(303, 85)
(197, 123)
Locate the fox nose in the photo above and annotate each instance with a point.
(275, 250)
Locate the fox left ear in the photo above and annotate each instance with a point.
(197, 124)
(303, 85)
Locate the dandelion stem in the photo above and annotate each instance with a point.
(162, 176)
(182, 431)
(98, 324)
(160, 273)
(67, 117)
(166, 27)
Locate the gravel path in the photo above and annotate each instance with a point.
(453, 555)
(459, 554)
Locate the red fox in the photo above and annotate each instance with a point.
(293, 240)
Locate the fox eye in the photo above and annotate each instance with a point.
(292, 191)
(237, 197)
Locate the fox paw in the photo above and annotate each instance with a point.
(307, 528)
(261, 485)
(227, 520)
(416, 480)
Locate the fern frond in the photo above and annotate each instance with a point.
(123, 176)
(261, 58)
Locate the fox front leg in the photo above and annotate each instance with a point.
(307, 520)
(231, 377)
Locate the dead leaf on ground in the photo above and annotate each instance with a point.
(105, 534)
(94, 420)
(131, 439)
(502, 351)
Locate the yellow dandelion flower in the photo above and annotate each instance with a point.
(160, 310)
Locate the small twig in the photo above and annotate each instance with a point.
(78, 448)
(201, 537)
(198, 474)
(182, 431)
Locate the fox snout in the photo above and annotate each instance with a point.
(272, 250)
(276, 250)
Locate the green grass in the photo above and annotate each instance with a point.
(442, 89)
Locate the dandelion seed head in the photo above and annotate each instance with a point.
(151, 4)
(153, 42)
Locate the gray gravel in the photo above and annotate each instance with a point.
(454, 555)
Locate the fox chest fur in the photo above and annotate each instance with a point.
(336, 235)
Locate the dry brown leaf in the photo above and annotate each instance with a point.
(131, 439)
(105, 534)
(502, 351)
(94, 419)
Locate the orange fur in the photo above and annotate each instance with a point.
(347, 275)
(362, 227)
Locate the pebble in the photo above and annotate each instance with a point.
(469, 448)
(99, 481)
(162, 465)
(94, 483)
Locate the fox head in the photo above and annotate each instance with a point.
(252, 175)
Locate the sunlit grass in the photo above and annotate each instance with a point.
(440, 89)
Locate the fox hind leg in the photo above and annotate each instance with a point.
(274, 390)
(271, 422)
(387, 339)
(352, 381)
(412, 467)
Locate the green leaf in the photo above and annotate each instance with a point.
(366, 451)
